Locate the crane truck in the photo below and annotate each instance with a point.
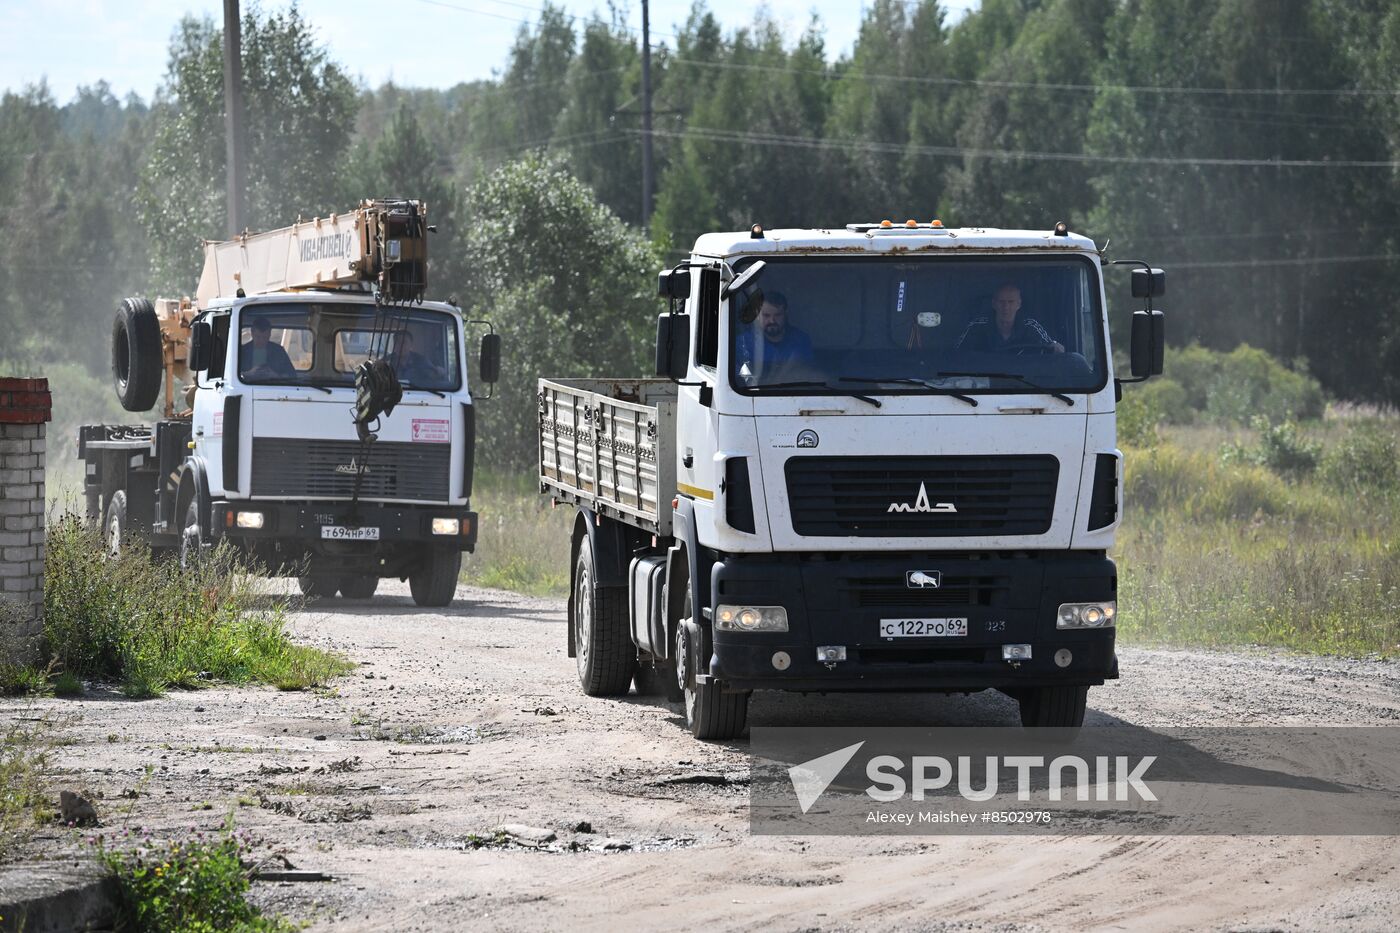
(326, 428)
(876, 458)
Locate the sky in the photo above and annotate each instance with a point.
(431, 43)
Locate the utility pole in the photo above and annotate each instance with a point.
(648, 178)
(236, 174)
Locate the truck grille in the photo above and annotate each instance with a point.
(315, 469)
(892, 592)
(988, 495)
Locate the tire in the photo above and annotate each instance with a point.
(137, 361)
(710, 712)
(191, 536)
(606, 657)
(436, 581)
(1059, 707)
(114, 524)
(358, 587)
(318, 585)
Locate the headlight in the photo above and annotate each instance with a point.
(446, 526)
(1087, 615)
(751, 619)
(249, 520)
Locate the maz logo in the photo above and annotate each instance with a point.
(349, 469)
(921, 504)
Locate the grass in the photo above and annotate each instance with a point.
(523, 543)
(23, 804)
(1226, 553)
(199, 885)
(149, 625)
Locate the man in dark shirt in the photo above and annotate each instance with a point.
(260, 358)
(1006, 329)
(410, 365)
(782, 347)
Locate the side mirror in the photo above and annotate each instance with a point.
(745, 278)
(673, 346)
(674, 284)
(201, 349)
(1149, 283)
(490, 357)
(1149, 342)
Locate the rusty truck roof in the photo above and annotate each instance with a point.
(897, 238)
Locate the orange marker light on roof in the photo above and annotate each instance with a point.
(936, 223)
(912, 224)
(886, 224)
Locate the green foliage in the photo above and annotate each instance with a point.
(1228, 553)
(195, 885)
(1365, 460)
(144, 621)
(1282, 448)
(567, 284)
(1137, 421)
(299, 111)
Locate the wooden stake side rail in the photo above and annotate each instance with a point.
(606, 445)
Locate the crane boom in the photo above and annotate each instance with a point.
(381, 243)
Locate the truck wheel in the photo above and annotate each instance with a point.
(710, 712)
(114, 524)
(191, 536)
(603, 647)
(318, 585)
(361, 587)
(1053, 707)
(137, 362)
(436, 581)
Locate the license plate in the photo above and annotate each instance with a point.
(341, 533)
(923, 628)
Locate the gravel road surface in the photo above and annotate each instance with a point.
(460, 722)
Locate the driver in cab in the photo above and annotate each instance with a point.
(260, 358)
(1006, 330)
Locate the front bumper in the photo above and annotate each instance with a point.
(302, 523)
(839, 600)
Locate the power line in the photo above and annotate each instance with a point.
(1298, 261)
(855, 145)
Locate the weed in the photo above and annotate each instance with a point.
(23, 759)
(152, 625)
(197, 885)
(67, 685)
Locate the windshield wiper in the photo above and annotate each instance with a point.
(819, 385)
(1016, 377)
(415, 388)
(912, 381)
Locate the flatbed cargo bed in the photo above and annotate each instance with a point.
(605, 445)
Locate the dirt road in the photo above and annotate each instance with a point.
(463, 722)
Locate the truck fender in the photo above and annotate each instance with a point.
(610, 556)
(683, 528)
(194, 483)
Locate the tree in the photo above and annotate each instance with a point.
(567, 284)
(300, 113)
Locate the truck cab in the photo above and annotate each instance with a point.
(895, 466)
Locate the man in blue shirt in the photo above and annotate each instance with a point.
(783, 348)
(260, 358)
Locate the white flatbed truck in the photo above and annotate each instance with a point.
(874, 495)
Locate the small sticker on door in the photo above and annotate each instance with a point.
(432, 431)
(218, 424)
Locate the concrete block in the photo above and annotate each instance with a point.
(22, 583)
(11, 477)
(20, 461)
(26, 490)
(15, 571)
(36, 567)
(21, 519)
(16, 446)
(38, 475)
(16, 539)
(19, 554)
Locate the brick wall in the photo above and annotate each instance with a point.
(25, 408)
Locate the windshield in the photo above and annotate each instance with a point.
(313, 343)
(1008, 324)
